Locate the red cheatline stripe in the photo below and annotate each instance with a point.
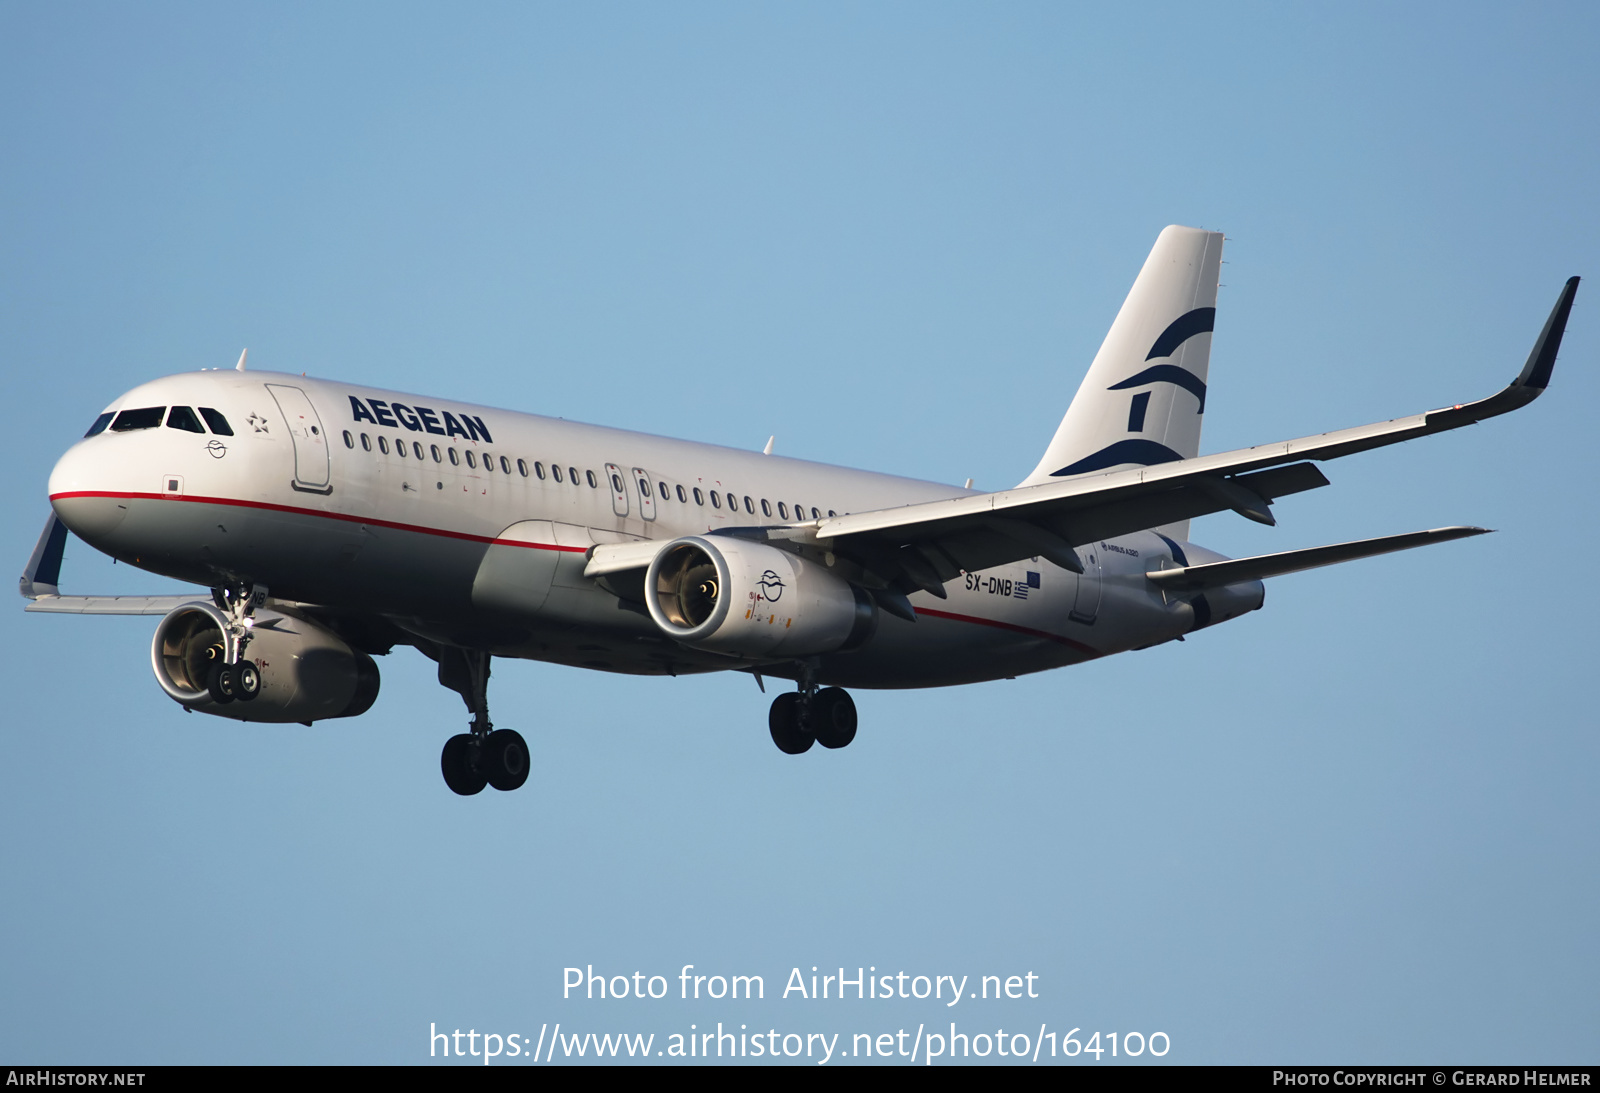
(1078, 645)
(296, 510)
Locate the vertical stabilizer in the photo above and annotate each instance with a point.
(1143, 398)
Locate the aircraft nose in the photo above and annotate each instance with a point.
(80, 495)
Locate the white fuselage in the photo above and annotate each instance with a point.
(470, 526)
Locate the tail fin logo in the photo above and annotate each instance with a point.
(1146, 453)
(1202, 320)
(1134, 406)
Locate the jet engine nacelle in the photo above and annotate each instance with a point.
(745, 599)
(307, 672)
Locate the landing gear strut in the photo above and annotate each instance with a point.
(800, 718)
(231, 676)
(484, 756)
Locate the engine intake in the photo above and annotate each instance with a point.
(307, 672)
(750, 600)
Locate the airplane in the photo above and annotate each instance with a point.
(332, 522)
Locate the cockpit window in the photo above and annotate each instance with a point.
(181, 417)
(147, 418)
(218, 423)
(100, 424)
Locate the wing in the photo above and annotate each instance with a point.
(922, 546)
(41, 583)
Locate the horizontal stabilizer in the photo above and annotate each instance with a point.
(1215, 574)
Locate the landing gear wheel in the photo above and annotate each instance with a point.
(504, 761)
(246, 680)
(222, 684)
(457, 763)
(833, 715)
(787, 724)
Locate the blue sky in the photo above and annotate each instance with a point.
(1357, 826)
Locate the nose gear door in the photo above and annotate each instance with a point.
(310, 444)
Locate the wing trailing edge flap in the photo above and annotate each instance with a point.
(925, 555)
(1215, 574)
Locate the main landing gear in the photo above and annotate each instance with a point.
(800, 718)
(485, 756)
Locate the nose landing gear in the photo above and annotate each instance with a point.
(236, 679)
(227, 682)
(485, 756)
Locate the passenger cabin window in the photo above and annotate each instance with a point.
(366, 443)
(697, 498)
(455, 460)
(434, 448)
(349, 441)
(716, 502)
(383, 444)
(681, 496)
(471, 462)
(181, 417)
(148, 417)
(572, 473)
(766, 509)
(218, 423)
(749, 505)
(505, 466)
(100, 424)
(416, 449)
(594, 483)
(783, 511)
(400, 448)
(556, 471)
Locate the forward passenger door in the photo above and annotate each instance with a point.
(305, 429)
